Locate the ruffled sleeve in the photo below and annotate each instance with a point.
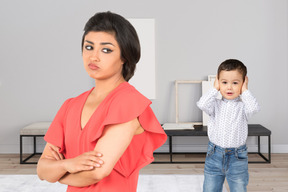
(55, 133)
(125, 106)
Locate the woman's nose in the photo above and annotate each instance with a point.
(95, 56)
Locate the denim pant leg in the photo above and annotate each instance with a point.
(213, 171)
(237, 173)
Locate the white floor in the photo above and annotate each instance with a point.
(146, 183)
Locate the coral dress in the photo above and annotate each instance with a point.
(121, 105)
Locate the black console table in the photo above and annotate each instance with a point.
(199, 130)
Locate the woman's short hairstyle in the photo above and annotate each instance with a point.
(232, 64)
(125, 34)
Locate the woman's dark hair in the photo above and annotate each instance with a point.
(233, 64)
(125, 35)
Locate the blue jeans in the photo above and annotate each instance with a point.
(231, 163)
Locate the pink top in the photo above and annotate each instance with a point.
(121, 105)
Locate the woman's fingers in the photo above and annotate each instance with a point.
(49, 157)
(55, 152)
(85, 161)
(94, 153)
(60, 155)
(98, 159)
(98, 154)
(93, 163)
(93, 159)
(87, 168)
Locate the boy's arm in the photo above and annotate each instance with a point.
(250, 102)
(207, 101)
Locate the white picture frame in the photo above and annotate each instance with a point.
(211, 77)
(177, 82)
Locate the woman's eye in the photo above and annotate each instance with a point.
(88, 47)
(106, 50)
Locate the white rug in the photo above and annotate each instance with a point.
(146, 183)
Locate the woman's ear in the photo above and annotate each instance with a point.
(123, 61)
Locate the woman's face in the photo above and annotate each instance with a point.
(102, 56)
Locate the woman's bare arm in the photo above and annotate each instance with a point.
(48, 168)
(52, 166)
(112, 144)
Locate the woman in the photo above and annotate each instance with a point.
(112, 118)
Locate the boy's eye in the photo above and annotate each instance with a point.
(107, 50)
(88, 47)
(235, 83)
(224, 82)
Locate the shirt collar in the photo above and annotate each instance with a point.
(231, 100)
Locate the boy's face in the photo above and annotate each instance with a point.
(230, 83)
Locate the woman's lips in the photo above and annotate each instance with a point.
(93, 66)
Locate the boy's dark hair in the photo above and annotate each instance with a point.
(125, 35)
(232, 64)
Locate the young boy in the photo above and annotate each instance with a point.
(227, 128)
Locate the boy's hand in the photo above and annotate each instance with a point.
(245, 85)
(216, 84)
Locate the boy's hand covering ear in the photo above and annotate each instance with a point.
(216, 84)
(245, 85)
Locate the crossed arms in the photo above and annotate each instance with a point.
(90, 167)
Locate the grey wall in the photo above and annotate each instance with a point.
(41, 65)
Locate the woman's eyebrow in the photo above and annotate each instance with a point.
(89, 42)
(107, 43)
(103, 43)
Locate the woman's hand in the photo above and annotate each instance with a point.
(85, 162)
(56, 155)
(245, 85)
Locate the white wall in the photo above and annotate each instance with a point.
(41, 66)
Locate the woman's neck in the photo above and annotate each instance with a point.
(104, 87)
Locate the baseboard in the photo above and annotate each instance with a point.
(203, 148)
(279, 148)
(14, 149)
